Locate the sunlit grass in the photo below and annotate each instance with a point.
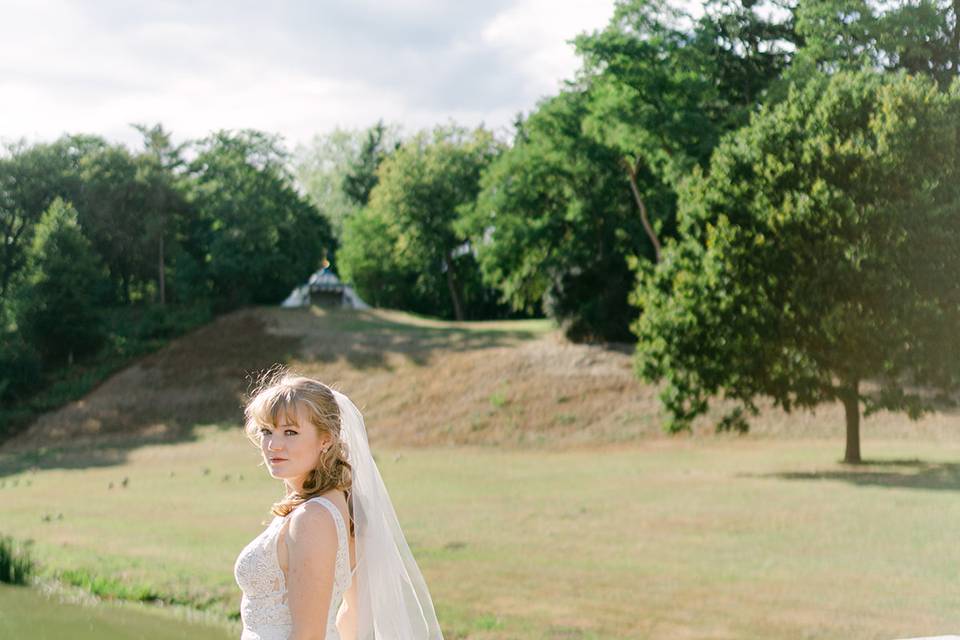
(30, 613)
(692, 539)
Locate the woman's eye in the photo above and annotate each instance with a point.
(290, 432)
(264, 432)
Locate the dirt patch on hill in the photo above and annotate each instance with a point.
(494, 383)
(418, 381)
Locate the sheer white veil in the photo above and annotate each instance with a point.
(392, 596)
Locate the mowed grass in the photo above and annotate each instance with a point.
(29, 613)
(676, 538)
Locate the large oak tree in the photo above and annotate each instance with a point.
(817, 259)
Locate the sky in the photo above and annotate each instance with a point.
(293, 67)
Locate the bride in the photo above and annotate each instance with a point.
(333, 564)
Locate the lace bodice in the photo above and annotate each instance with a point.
(263, 608)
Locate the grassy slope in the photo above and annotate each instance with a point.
(686, 538)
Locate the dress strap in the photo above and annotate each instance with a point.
(332, 508)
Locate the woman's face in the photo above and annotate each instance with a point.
(290, 451)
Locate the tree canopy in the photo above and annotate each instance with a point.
(406, 246)
(817, 255)
(255, 235)
(60, 316)
(553, 226)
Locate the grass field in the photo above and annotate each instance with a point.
(532, 478)
(39, 615)
(668, 539)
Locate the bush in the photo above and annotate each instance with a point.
(20, 368)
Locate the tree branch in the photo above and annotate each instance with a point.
(632, 168)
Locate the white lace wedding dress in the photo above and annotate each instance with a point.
(263, 608)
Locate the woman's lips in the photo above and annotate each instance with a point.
(278, 459)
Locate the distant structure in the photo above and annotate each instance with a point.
(324, 289)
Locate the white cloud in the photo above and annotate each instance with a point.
(300, 68)
(536, 33)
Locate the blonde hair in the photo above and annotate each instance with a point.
(281, 395)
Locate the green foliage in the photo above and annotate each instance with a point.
(319, 167)
(553, 224)
(109, 588)
(161, 181)
(406, 248)
(255, 236)
(361, 175)
(819, 252)
(116, 217)
(126, 203)
(59, 314)
(16, 563)
(31, 177)
(150, 326)
(663, 92)
(20, 366)
(557, 224)
(331, 164)
(368, 259)
(921, 36)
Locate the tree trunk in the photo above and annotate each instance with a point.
(850, 396)
(454, 286)
(161, 279)
(632, 174)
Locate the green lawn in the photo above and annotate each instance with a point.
(29, 613)
(711, 538)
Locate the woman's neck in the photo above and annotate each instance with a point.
(292, 486)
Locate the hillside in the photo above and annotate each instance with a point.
(419, 381)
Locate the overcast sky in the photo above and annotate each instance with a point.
(292, 67)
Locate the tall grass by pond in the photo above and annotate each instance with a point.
(16, 563)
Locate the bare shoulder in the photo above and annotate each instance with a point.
(313, 522)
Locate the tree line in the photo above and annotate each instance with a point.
(763, 197)
(93, 231)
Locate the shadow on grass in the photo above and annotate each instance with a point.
(366, 338)
(904, 474)
(84, 456)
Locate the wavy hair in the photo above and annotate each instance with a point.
(282, 394)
